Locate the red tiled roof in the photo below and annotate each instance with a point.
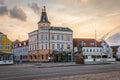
(21, 42)
(87, 42)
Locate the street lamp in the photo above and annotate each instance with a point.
(49, 42)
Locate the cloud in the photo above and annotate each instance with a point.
(3, 10)
(114, 39)
(105, 5)
(2, 2)
(34, 6)
(18, 13)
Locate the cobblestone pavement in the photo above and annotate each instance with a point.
(115, 75)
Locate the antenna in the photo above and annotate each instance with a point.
(95, 39)
(43, 3)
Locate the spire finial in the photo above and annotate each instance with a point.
(44, 9)
(44, 17)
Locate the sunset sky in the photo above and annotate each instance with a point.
(19, 17)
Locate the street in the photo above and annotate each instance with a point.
(13, 72)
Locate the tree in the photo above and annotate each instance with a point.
(80, 58)
(80, 53)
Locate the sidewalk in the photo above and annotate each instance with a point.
(61, 64)
(46, 65)
(40, 65)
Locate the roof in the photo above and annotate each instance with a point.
(44, 17)
(1, 33)
(60, 28)
(20, 42)
(87, 42)
(33, 31)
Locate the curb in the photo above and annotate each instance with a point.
(71, 65)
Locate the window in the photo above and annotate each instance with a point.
(42, 46)
(68, 38)
(46, 37)
(53, 46)
(90, 50)
(46, 46)
(30, 56)
(97, 50)
(52, 37)
(87, 50)
(62, 46)
(58, 37)
(83, 43)
(35, 57)
(83, 50)
(41, 36)
(24, 43)
(42, 56)
(46, 56)
(100, 50)
(62, 37)
(35, 47)
(68, 46)
(19, 44)
(92, 43)
(58, 46)
(93, 50)
(16, 45)
(1, 46)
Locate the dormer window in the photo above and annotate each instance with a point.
(19, 44)
(16, 45)
(83, 43)
(24, 43)
(92, 43)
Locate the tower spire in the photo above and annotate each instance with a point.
(44, 18)
(44, 9)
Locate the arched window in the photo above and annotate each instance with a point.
(35, 56)
(46, 56)
(42, 56)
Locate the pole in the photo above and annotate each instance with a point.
(49, 41)
(95, 39)
(37, 50)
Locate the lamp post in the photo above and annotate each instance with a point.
(37, 49)
(49, 42)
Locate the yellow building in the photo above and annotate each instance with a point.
(5, 44)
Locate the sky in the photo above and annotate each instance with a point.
(84, 17)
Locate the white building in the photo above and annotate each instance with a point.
(118, 53)
(49, 41)
(94, 51)
(20, 50)
(107, 49)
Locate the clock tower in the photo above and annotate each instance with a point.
(43, 23)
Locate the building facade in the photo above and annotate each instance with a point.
(118, 53)
(5, 50)
(20, 51)
(94, 50)
(5, 44)
(50, 42)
